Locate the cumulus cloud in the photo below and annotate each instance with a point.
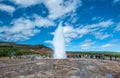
(23, 28)
(99, 29)
(114, 42)
(110, 44)
(7, 8)
(72, 33)
(87, 44)
(42, 22)
(57, 8)
(103, 24)
(48, 41)
(106, 45)
(117, 28)
(101, 35)
(26, 3)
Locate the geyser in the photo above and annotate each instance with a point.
(59, 43)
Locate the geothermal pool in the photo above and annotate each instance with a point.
(60, 68)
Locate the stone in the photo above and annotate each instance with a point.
(59, 68)
(74, 77)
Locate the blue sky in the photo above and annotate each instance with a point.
(88, 24)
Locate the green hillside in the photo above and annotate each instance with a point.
(10, 49)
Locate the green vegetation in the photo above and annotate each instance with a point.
(6, 51)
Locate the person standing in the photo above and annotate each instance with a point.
(110, 57)
(115, 58)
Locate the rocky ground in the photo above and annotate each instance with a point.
(64, 68)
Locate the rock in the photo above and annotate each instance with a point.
(30, 76)
(58, 68)
(108, 76)
(74, 77)
(20, 77)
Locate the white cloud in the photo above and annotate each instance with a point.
(116, 1)
(115, 42)
(17, 37)
(68, 29)
(40, 22)
(57, 8)
(73, 17)
(87, 44)
(103, 24)
(99, 29)
(23, 28)
(26, 3)
(117, 27)
(7, 8)
(72, 33)
(48, 41)
(21, 24)
(101, 35)
(68, 40)
(106, 45)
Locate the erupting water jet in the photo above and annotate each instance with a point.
(59, 43)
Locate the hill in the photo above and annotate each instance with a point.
(10, 48)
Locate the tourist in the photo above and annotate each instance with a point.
(115, 58)
(110, 57)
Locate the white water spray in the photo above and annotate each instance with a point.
(59, 43)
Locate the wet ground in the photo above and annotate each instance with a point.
(64, 68)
